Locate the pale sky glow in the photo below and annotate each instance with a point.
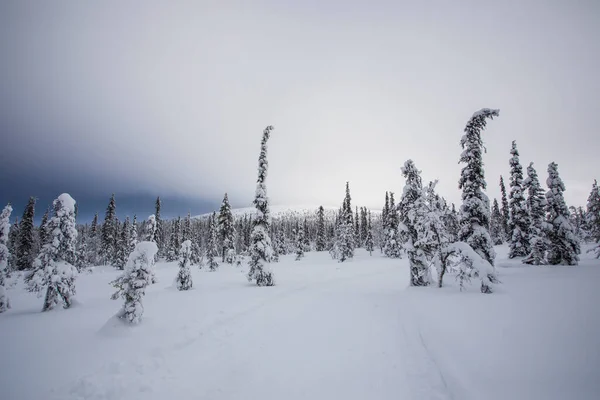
(172, 97)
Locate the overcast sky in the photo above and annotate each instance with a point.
(170, 98)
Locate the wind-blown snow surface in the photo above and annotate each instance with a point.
(326, 331)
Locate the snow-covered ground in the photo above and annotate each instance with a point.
(326, 331)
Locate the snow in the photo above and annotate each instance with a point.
(279, 211)
(326, 331)
(67, 201)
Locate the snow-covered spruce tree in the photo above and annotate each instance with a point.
(43, 232)
(226, 232)
(196, 257)
(505, 210)
(475, 210)
(392, 247)
(369, 245)
(4, 254)
(159, 236)
(184, 276)
(174, 241)
(212, 244)
(109, 232)
(321, 239)
(299, 241)
(25, 245)
(496, 224)
(519, 218)
(536, 204)
(563, 243)
(133, 235)
(122, 248)
(363, 225)
(150, 234)
(357, 241)
(413, 231)
(385, 212)
(53, 269)
(186, 232)
(13, 240)
(592, 217)
(131, 285)
(260, 249)
(344, 236)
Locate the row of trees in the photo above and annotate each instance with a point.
(539, 228)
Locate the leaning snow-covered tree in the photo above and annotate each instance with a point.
(564, 244)
(261, 251)
(150, 234)
(593, 216)
(184, 277)
(4, 231)
(413, 226)
(518, 224)
(536, 204)
(53, 269)
(131, 285)
(475, 210)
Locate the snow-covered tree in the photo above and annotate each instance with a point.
(593, 217)
(299, 231)
(109, 232)
(184, 277)
(212, 250)
(150, 234)
(133, 235)
(321, 238)
(25, 254)
(131, 285)
(261, 251)
(519, 218)
(564, 245)
(496, 224)
(53, 269)
(505, 210)
(363, 225)
(4, 254)
(159, 236)
(226, 232)
(344, 237)
(475, 210)
(174, 241)
(392, 244)
(369, 244)
(186, 232)
(122, 247)
(384, 214)
(13, 241)
(196, 258)
(414, 227)
(536, 204)
(43, 232)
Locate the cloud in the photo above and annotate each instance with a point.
(171, 98)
